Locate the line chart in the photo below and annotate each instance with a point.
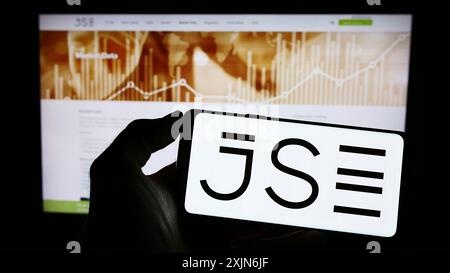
(326, 68)
(230, 97)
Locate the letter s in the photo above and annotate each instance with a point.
(314, 186)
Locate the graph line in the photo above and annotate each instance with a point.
(317, 71)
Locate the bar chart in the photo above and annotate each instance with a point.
(333, 68)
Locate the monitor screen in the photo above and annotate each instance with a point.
(99, 72)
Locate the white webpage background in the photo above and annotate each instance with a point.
(74, 133)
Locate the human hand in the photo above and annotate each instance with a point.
(130, 211)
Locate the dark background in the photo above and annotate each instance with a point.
(423, 216)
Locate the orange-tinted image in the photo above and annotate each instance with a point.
(322, 68)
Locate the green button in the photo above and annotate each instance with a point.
(62, 206)
(355, 22)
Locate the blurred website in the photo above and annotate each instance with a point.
(100, 72)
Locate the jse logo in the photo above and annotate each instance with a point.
(248, 154)
(310, 175)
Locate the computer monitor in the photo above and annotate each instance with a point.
(99, 72)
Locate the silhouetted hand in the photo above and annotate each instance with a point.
(130, 211)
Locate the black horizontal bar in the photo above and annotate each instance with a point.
(360, 173)
(357, 211)
(237, 136)
(362, 150)
(361, 188)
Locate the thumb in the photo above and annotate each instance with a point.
(142, 137)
